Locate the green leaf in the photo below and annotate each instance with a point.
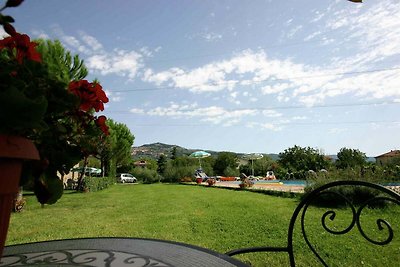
(56, 189)
(8, 19)
(13, 3)
(20, 114)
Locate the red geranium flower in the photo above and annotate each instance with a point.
(101, 122)
(23, 46)
(91, 95)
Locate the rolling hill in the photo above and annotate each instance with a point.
(154, 150)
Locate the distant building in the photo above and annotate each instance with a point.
(388, 157)
(140, 163)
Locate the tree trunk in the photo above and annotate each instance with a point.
(81, 175)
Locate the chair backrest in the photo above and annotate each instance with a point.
(331, 199)
(356, 196)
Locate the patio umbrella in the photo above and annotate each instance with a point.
(252, 157)
(199, 155)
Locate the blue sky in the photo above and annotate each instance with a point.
(242, 76)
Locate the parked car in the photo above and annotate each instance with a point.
(126, 178)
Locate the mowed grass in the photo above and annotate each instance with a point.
(217, 219)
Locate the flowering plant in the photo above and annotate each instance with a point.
(57, 114)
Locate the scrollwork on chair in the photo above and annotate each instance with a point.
(330, 215)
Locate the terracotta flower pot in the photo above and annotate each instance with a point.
(199, 180)
(13, 151)
(210, 182)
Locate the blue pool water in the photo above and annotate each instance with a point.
(302, 182)
(285, 182)
(294, 182)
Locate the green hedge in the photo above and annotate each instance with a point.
(146, 176)
(93, 184)
(355, 194)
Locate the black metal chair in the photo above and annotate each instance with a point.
(380, 196)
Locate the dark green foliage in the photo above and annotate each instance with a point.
(348, 158)
(121, 149)
(298, 160)
(93, 184)
(174, 174)
(356, 195)
(115, 150)
(185, 166)
(173, 153)
(261, 166)
(60, 61)
(231, 172)
(162, 164)
(338, 196)
(223, 161)
(146, 176)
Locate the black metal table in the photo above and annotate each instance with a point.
(113, 252)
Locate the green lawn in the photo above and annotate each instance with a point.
(218, 219)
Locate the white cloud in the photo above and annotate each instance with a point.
(40, 34)
(93, 43)
(206, 35)
(318, 16)
(146, 51)
(373, 34)
(3, 34)
(270, 126)
(288, 22)
(271, 113)
(293, 31)
(119, 62)
(113, 96)
(75, 44)
(276, 88)
(137, 111)
(337, 130)
(264, 126)
(212, 114)
(212, 36)
(125, 63)
(116, 99)
(299, 118)
(312, 35)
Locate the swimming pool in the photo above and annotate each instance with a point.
(282, 182)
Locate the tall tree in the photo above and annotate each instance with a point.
(116, 150)
(173, 153)
(161, 163)
(302, 159)
(348, 158)
(224, 161)
(60, 62)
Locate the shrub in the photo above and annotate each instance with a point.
(174, 174)
(357, 195)
(146, 176)
(230, 171)
(93, 184)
